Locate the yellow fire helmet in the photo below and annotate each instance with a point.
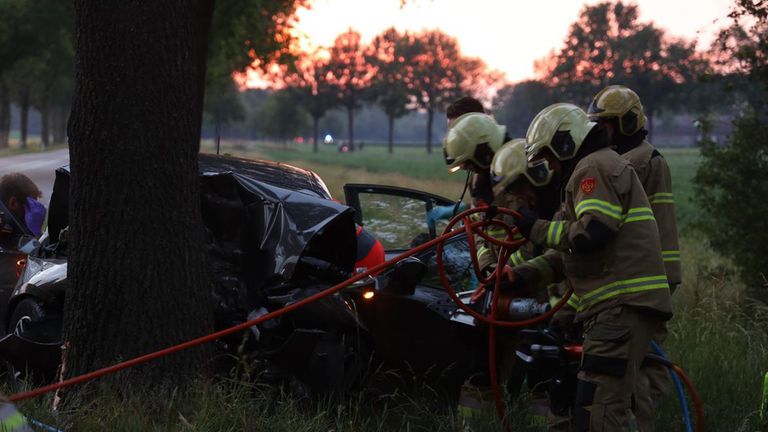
(510, 162)
(472, 137)
(561, 128)
(619, 102)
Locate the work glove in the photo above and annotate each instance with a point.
(526, 220)
(34, 216)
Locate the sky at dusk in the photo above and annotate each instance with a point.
(508, 34)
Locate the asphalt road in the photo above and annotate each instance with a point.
(40, 167)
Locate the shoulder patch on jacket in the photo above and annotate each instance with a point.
(587, 185)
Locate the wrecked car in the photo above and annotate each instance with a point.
(275, 236)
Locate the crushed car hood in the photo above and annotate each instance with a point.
(270, 212)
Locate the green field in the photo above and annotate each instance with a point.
(717, 334)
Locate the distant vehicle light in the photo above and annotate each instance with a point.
(299, 140)
(328, 139)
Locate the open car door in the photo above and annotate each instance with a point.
(397, 216)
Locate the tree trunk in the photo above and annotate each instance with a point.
(45, 130)
(5, 115)
(24, 108)
(391, 135)
(430, 118)
(351, 128)
(217, 132)
(134, 189)
(315, 132)
(59, 124)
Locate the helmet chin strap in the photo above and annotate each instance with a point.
(464, 192)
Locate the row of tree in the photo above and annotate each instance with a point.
(608, 44)
(398, 71)
(37, 56)
(403, 71)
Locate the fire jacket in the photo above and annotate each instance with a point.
(654, 174)
(627, 269)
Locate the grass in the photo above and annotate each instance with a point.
(717, 334)
(33, 146)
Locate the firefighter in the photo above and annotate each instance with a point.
(618, 109)
(609, 244)
(480, 181)
(470, 144)
(11, 420)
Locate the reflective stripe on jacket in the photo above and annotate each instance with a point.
(628, 269)
(654, 174)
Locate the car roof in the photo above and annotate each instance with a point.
(272, 173)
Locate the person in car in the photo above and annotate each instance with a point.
(20, 196)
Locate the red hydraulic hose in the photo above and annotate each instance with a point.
(213, 336)
(504, 244)
(493, 372)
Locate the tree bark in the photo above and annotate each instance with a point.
(24, 108)
(138, 281)
(351, 128)
(5, 115)
(430, 119)
(391, 135)
(45, 130)
(315, 132)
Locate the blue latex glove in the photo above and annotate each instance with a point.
(442, 213)
(34, 215)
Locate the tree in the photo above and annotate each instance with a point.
(519, 103)
(134, 140)
(36, 47)
(440, 74)
(281, 117)
(609, 45)
(17, 40)
(387, 54)
(351, 76)
(223, 106)
(308, 80)
(730, 181)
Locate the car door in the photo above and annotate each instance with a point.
(397, 217)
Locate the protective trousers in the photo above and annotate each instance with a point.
(615, 343)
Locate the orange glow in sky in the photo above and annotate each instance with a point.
(509, 35)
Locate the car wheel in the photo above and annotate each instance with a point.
(28, 310)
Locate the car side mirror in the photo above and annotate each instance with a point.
(27, 244)
(405, 276)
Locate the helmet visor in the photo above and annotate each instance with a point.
(539, 173)
(629, 123)
(562, 145)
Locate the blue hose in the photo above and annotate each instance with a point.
(678, 386)
(42, 426)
